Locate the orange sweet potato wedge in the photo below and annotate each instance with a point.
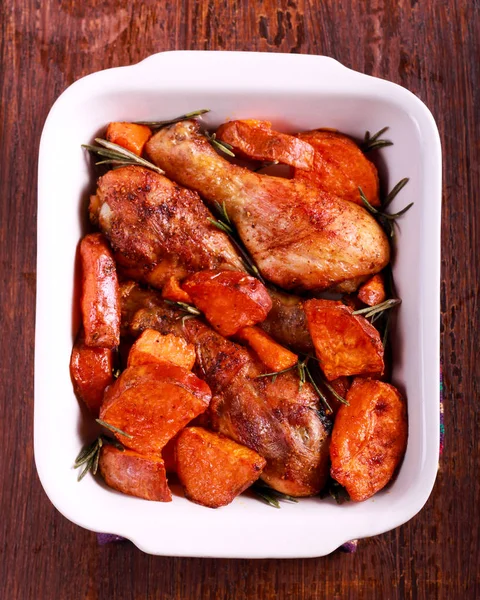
(373, 291)
(340, 167)
(100, 300)
(214, 469)
(169, 455)
(257, 140)
(369, 438)
(172, 291)
(153, 347)
(141, 475)
(151, 403)
(274, 356)
(91, 372)
(229, 300)
(131, 136)
(345, 344)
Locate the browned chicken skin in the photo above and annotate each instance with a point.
(300, 237)
(158, 229)
(273, 417)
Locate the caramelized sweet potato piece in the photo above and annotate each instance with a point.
(141, 475)
(131, 136)
(340, 167)
(214, 469)
(257, 140)
(273, 356)
(229, 300)
(100, 299)
(152, 403)
(369, 438)
(153, 347)
(172, 291)
(91, 372)
(373, 291)
(345, 344)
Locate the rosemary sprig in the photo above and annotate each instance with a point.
(89, 456)
(159, 124)
(113, 428)
(396, 189)
(374, 142)
(320, 394)
(274, 374)
(186, 308)
(225, 224)
(386, 220)
(376, 310)
(271, 496)
(118, 156)
(335, 393)
(218, 144)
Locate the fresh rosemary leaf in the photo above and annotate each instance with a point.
(371, 311)
(113, 428)
(187, 308)
(85, 454)
(86, 469)
(119, 156)
(219, 145)
(374, 142)
(275, 373)
(268, 498)
(185, 117)
(334, 393)
(320, 394)
(396, 189)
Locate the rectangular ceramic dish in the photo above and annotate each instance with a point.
(295, 92)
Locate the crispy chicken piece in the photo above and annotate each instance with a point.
(300, 237)
(273, 417)
(158, 229)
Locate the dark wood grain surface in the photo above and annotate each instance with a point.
(429, 46)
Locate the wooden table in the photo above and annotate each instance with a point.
(431, 47)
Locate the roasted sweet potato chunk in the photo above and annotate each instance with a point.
(369, 438)
(172, 291)
(229, 300)
(152, 403)
(91, 372)
(340, 167)
(141, 475)
(153, 347)
(274, 356)
(373, 291)
(131, 136)
(100, 299)
(345, 344)
(214, 469)
(257, 140)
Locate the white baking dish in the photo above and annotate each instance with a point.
(296, 93)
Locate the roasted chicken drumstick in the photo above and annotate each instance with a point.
(300, 237)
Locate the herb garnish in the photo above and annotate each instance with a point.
(218, 144)
(225, 224)
(269, 495)
(159, 124)
(118, 156)
(89, 456)
(373, 142)
(374, 312)
(113, 428)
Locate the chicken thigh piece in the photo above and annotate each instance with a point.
(157, 228)
(271, 416)
(300, 237)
